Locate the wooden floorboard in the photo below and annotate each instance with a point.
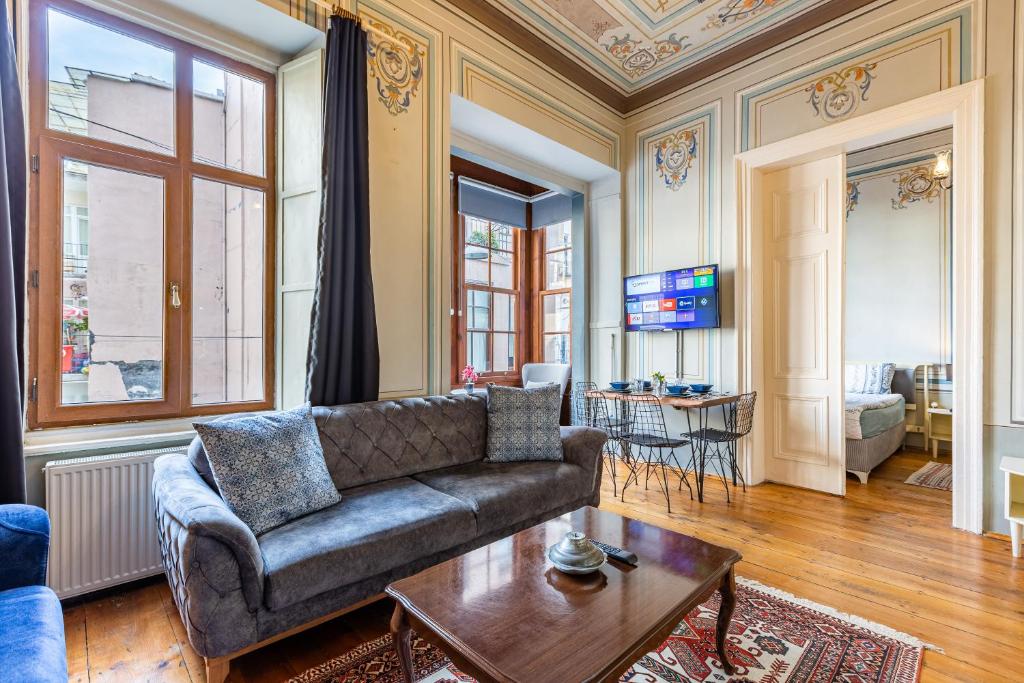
(885, 552)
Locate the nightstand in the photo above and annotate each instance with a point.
(940, 428)
(1013, 471)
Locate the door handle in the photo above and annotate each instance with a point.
(175, 295)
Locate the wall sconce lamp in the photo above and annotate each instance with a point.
(942, 173)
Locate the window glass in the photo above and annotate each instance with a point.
(228, 227)
(504, 312)
(556, 348)
(504, 352)
(112, 333)
(502, 270)
(557, 312)
(558, 236)
(228, 116)
(478, 313)
(477, 352)
(108, 86)
(559, 269)
(475, 267)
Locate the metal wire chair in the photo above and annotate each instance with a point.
(739, 420)
(646, 430)
(591, 410)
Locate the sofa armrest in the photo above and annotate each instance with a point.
(24, 545)
(198, 531)
(583, 446)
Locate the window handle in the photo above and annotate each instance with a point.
(175, 295)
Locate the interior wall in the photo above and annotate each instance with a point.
(886, 53)
(420, 52)
(898, 255)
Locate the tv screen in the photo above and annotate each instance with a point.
(681, 299)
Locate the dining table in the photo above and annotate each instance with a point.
(694, 405)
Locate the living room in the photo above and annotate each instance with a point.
(506, 340)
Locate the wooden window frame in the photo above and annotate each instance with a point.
(541, 268)
(518, 253)
(179, 170)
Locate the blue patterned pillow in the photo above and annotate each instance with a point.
(522, 424)
(269, 467)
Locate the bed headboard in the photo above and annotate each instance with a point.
(905, 382)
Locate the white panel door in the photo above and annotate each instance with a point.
(803, 216)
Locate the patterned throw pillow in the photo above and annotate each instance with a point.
(522, 424)
(870, 378)
(269, 468)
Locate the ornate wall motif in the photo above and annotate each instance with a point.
(836, 95)
(914, 185)
(852, 195)
(673, 157)
(396, 61)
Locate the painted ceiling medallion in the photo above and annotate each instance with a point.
(673, 157)
(915, 184)
(637, 59)
(738, 10)
(852, 196)
(837, 95)
(395, 60)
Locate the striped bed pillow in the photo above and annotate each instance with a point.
(869, 378)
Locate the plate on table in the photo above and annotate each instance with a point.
(619, 391)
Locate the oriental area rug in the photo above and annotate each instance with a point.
(774, 638)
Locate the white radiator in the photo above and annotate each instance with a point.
(102, 526)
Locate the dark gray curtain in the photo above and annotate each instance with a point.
(12, 272)
(344, 360)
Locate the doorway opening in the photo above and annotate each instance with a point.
(792, 294)
(899, 365)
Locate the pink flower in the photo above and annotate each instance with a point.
(468, 374)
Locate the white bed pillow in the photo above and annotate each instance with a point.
(869, 378)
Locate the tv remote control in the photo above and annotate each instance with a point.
(616, 553)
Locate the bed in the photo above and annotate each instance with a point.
(876, 424)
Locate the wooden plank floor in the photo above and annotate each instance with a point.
(885, 553)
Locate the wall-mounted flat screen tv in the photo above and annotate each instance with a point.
(683, 299)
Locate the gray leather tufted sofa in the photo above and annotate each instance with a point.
(415, 491)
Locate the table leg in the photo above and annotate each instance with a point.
(728, 592)
(401, 631)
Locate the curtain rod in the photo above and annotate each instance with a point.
(335, 9)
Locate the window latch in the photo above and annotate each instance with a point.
(175, 295)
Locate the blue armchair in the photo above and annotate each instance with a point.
(31, 621)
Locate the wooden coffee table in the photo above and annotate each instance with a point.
(504, 613)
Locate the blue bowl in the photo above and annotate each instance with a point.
(701, 388)
(620, 385)
(676, 389)
(647, 385)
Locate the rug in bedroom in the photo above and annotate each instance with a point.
(774, 638)
(934, 475)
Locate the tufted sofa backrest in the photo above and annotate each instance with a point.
(369, 442)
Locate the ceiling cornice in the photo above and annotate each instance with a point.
(510, 28)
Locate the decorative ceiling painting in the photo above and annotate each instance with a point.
(633, 43)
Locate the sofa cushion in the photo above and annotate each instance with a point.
(522, 424)
(32, 636)
(375, 528)
(504, 494)
(381, 440)
(269, 467)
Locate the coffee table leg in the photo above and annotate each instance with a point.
(401, 631)
(728, 591)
